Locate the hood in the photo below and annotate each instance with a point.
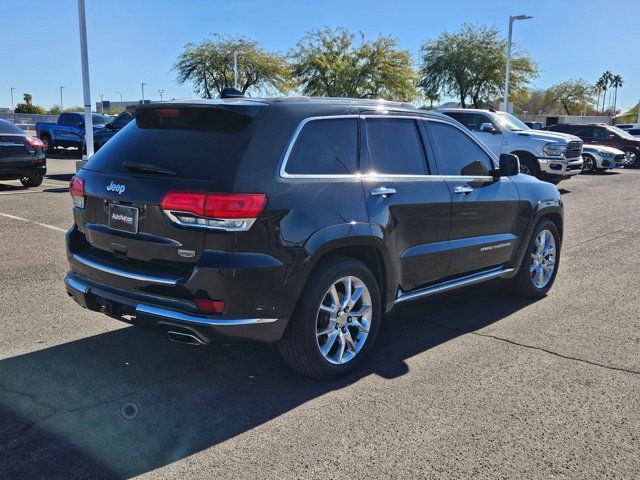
(548, 136)
(602, 148)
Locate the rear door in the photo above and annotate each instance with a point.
(484, 209)
(409, 208)
(164, 150)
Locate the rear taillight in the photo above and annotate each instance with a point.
(35, 142)
(221, 211)
(76, 188)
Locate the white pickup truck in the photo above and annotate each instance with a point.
(546, 155)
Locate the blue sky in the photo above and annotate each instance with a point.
(139, 40)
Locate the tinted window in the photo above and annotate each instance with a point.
(601, 133)
(587, 132)
(472, 121)
(394, 147)
(9, 128)
(325, 147)
(634, 131)
(457, 153)
(196, 143)
(122, 120)
(69, 119)
(100, 119)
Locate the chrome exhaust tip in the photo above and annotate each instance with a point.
(182, 337)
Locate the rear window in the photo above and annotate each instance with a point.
(325, 147)
(196, 143)
(9, 128)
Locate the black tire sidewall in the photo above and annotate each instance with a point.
(32, 181)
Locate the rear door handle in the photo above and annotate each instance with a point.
(382, 192)
(462, 189)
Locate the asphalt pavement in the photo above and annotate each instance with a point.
(473, 384)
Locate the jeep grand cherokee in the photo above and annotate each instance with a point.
(299, 221)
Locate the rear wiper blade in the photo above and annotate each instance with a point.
(147, 167)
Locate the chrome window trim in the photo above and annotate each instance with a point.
(292, 142)
(124, 273)
(378, 176)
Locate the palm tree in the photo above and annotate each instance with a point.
(600, 86)
(616, 82)
(606, 81)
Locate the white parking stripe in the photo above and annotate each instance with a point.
(13, 217)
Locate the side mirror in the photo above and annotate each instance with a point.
(109, 126)
(509, 165)
(488, 128)
(80, 124)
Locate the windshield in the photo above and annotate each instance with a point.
(510, 122)
(621, 133)
(100, 119)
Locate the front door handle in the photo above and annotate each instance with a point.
(462, 189)
(382, 192)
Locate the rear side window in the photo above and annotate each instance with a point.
(394, 147)
(325, 147)
(456, 153)
(9, 128)
(196, 143)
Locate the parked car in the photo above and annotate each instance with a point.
(21, 157)
(597, 158)
(101, 136)
(634, 132)
(599, 134)
(534, 125)
(299, 221)
(549, 156)
(68, 131)
(628, 126)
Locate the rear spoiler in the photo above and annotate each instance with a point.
(247, 108)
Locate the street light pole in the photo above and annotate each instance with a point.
(84, 55)
(143, 84)
(638, 112)
(13, 109)
(507, 73)
(61, 105)
(120, 93)
(235, 69)
(161, 92)
(102, 103)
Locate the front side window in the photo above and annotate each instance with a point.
(456, 153)
(473, 121)
(325, 147)
(394, 147)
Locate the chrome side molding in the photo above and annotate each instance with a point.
(453, 284)
(184, 317)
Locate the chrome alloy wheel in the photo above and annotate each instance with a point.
(543, 259)
(630, 158)
(588, 164)
(344, 320)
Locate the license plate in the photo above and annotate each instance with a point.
(122, 218)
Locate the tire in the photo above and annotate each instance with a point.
(589, 164)
(34, 181)
(633, 155)
(301, 345)
(523, 283)
(530, 166)
(48, 147)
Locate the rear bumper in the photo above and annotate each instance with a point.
(14, 173)
(121, 305)
(560, 169)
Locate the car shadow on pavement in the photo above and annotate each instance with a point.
(65, 177)
(127, 401)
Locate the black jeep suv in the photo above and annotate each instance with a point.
(299, 221)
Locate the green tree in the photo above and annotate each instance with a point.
(573, 95)
(55, 110)
(605, 83)
(470, 64)
(209, 66)
(331, 63)
(28, 106)
(74, 108)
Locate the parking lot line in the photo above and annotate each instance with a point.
(26, 220)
